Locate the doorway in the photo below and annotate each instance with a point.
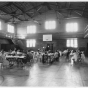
(49, 46)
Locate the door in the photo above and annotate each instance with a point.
(49, 47)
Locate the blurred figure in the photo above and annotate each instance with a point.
(40, 56)
(5, 62)
(83, 56)
(56, 55)
(18, 52)
(60, 52)
(71, 54)
(74, 57)
(67, 55)
(36, 56)
(30, 56)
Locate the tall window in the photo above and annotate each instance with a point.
(50, 25)
(10, 28)
(31, 29)
(22, 36)
(72, 42)
(0, 25)
(31, 43)
(71, 27)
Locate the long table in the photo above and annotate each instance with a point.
(12, 59)
(15, 57)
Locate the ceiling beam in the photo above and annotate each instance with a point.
(70, 11)
(7, 4)
(58, 7)
(35, 8)
(9, 13)
(48, 6)
(21, 10)
(4, 5)
(57, 4)
(84, 9)
(78, 13)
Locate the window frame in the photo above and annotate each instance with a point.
(12, 28)
(49, 25)
(0, 25)
(73, 42)
(72, 27)
(31, 43)
(29, 28)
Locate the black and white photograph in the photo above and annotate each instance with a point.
(43, 43)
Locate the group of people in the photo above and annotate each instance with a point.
(42, 56)
(74, 55)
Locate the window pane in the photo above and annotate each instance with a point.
(31, 29)
(0, 25)
(71, 27)
(76, 27)
(10, 28)
(68, 27)
(50, 25)
(75, 43)
(68, 43)
(31, 43)
(27, 43)
(72, 42)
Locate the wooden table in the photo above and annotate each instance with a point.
(12, 59)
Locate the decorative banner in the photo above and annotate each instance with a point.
(47, 37)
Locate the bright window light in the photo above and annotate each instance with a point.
(72, 42)
(22, 36)
(71, 27)
(31, 29)
(68, 43)
(31, 43)
(50, 25)
(10, 28)
(0, 25)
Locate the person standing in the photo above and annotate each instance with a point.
(67, 55)
(83, 56)
(58, 56)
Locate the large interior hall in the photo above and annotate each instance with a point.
(44, 44)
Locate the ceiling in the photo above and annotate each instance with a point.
(15, 12)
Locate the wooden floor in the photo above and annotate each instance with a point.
(59, 74)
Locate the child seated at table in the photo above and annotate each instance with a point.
(5, 63)
(83, 56)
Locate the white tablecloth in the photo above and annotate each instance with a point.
(15, 56)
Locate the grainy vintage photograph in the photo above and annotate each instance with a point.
(43, 44)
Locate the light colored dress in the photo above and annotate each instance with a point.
(5, 62)
(74, 57)
(1, 60)
(83, 56)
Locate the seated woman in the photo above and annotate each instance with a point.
(56, 56)
(74, 57)
(40, 56)
(24, 60)
(18, 52)
(13, 52)
(5, 62)
(1, 60)
(35, 56)
(29, 57)
(45, 57)
(83, 56)
(71, 54)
